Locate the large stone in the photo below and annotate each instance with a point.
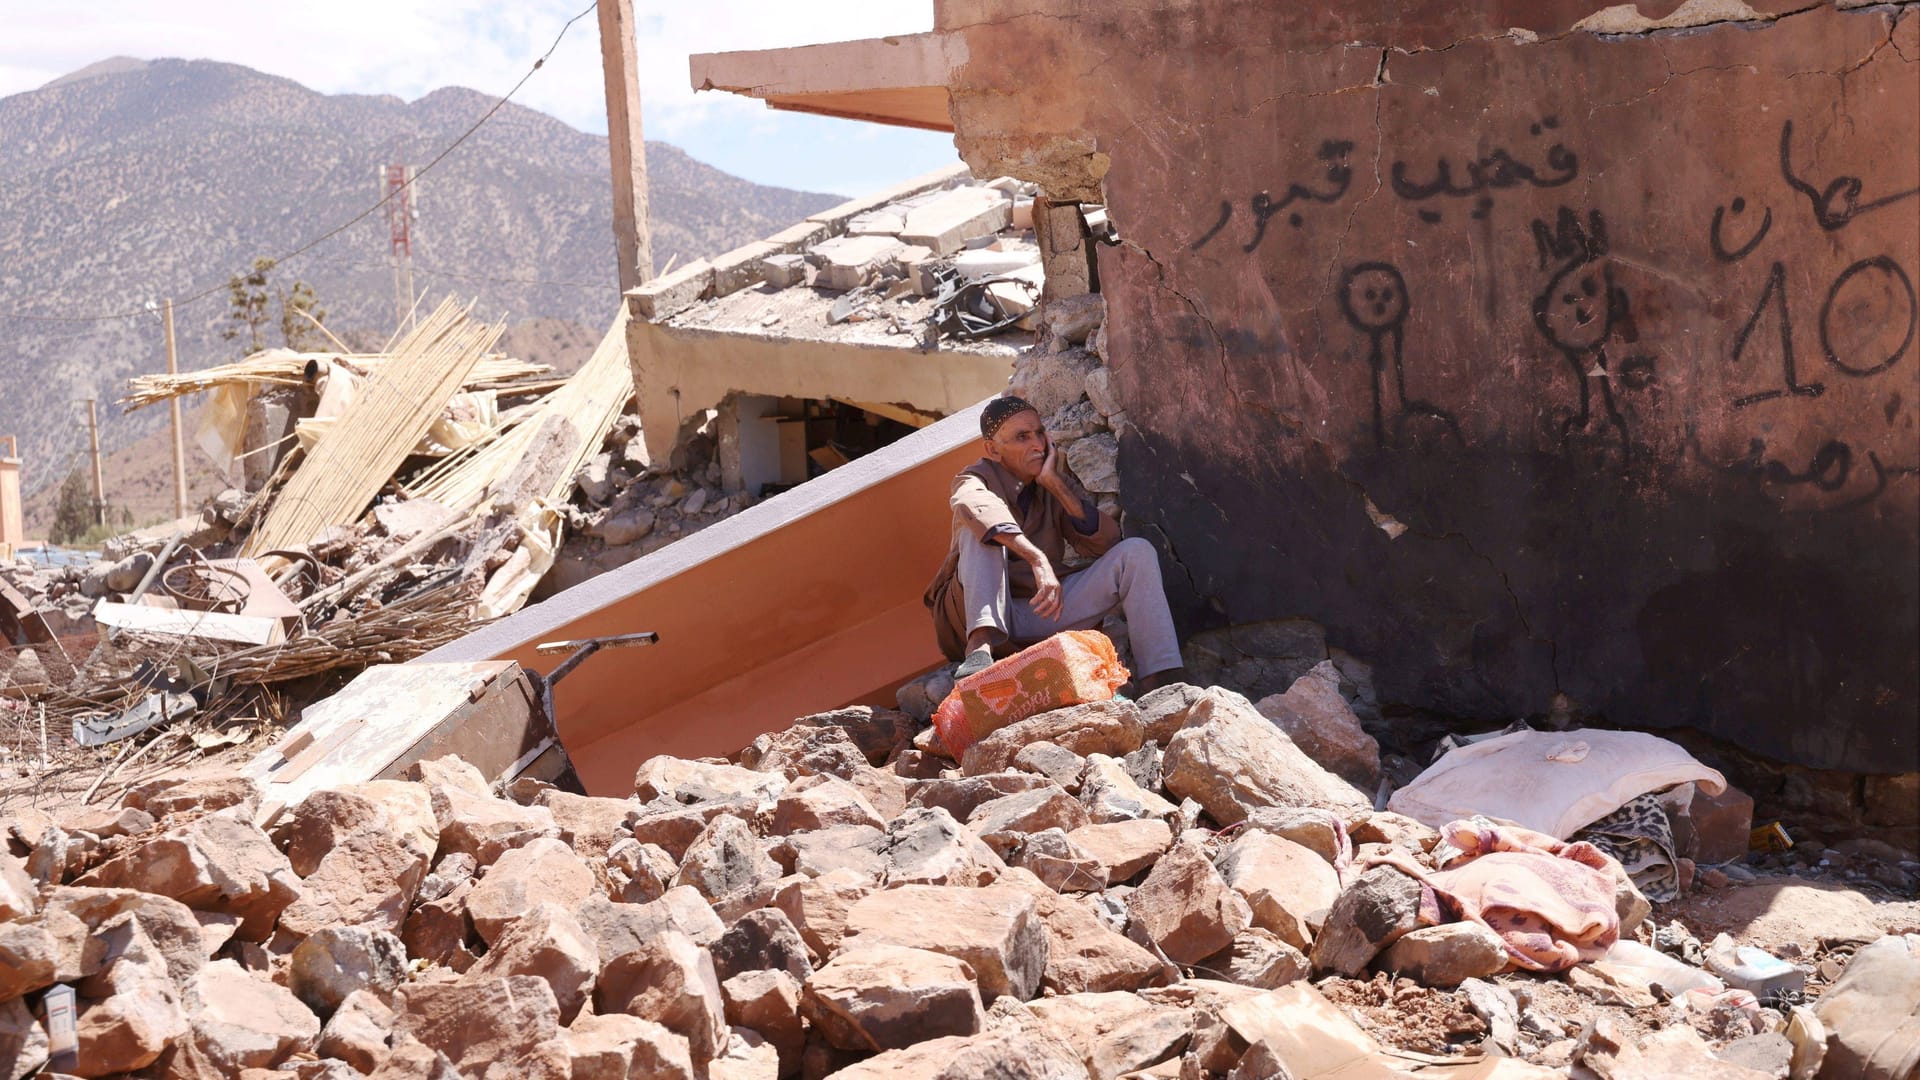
(490, 1029)
(639, 872)
(358, 1031)
(1056, 763)
(860, 849)
(1377, 908)
(411, 1059)
(1319, 831)
(1715, 828)
(216, 863)
(1317, 718)
(130, 1010)
(545, 870)
(1060, 863)
(332, 964)
(673, 828)
(1125, 848)
(960, 796)
(1447, 955)
(409, 808)
(23, 1040)
(1095, 460)
(1258, 958)
(1115, 1033)
(441, 932)
(621, 928)
(996, 930)
(588, 825)
(367, 879)
(1231, 760)
(486, 827)
(725, 859)
(1001, 1055)
(669, 980)
(819, 908)
(168, 924)
(19, 895)
(763, 939)
(879, 733)
(622, 1047)
(928, 847)
(547, 942)
(1052, 381)
(885, 997)
(1285, 884)
(822, 801)
(1185, 907)
(683, 781)
(1870, 1013)
(1005, 822)
(1113, 727)
(768, 1002)
(1110, 793)
(29, 956)
(245, 1021)
(127, 1031)
(169, 797)
(1083, 953)
(324, 819)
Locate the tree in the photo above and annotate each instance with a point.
(248, 299)
(300, 318)
(73, 514)
(247, 307)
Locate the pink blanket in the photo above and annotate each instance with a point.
(1550, 902)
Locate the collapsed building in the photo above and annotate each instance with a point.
(1450, 394)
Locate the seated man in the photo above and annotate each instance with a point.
(1016, 500)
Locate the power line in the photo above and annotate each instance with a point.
(349, 223)
(584, 286)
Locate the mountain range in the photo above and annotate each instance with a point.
(133, 180)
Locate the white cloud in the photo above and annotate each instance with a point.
(409, 47)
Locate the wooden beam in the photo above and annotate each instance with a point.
(620, 62)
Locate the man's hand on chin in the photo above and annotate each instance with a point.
(1055, 482)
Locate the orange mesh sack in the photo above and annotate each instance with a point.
(1069, 668)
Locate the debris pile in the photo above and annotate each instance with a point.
(1174, 887)
(398, 500)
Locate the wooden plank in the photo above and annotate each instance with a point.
(205, 625)
(367, 443)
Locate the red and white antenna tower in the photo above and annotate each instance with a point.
(396, 187)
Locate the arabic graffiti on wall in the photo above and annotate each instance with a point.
(1859, 324)
(1498, 170)
(1869, 316)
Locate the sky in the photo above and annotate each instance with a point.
(410, 47)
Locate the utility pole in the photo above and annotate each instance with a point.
(173, 407)
(620, 61)
(396, 186)
(99, 483)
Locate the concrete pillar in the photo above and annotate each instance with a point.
(749, 443)
(1061, 233)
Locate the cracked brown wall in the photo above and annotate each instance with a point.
(1643, 393)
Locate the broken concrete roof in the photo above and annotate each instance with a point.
(860, 272)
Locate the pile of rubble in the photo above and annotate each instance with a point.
(394, 501)
(1179, 887)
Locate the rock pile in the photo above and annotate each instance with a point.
(1117, 889)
